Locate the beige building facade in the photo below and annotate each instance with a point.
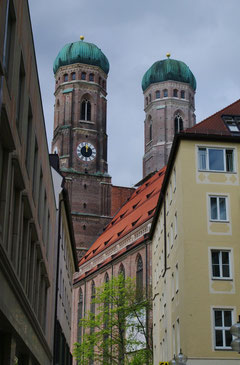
(195, 244)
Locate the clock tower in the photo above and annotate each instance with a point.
(80, 137)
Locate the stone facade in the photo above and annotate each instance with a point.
(87, 180)
(165, 103)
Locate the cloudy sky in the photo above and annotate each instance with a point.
(133, 35)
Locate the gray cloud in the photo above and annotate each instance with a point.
(134, 34)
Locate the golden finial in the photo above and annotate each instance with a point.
(82, 37)
(168, 55)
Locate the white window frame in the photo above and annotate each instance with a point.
(224, 149)
(222, 328)
(221, 277)
(218, 208)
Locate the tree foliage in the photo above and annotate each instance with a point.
(117, 333)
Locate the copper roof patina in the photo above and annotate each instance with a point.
(81, 52)
(168, 70)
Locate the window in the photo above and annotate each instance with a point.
(139, 278)
(150, 98)
(73, 76)
(150, 131)
(146, 101)
(215, 159)
(91, 77)
(157, 94)
(218, 208)
(182, 94)
(165, 93)
(86, 110)
(222, 323)
(20, 97)
(65, 77)
(80, 315)
(233, 123)
(220, 264)
(178, 123)
(83, 76)
(175, 93)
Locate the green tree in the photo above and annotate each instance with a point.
(117, 331)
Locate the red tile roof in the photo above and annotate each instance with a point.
(215, 124)
(139, 208)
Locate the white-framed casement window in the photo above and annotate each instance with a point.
(221, 264)
(216, 159)
(218, 208)
(223, 320)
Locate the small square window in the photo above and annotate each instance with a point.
(220, 264)
(218, 208)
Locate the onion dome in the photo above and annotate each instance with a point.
(81, 52)
(168, 70)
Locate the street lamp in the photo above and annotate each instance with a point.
(180, 359)
(235, 331)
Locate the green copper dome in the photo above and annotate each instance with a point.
(167, 70)
(81, 52)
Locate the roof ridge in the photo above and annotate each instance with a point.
(219, 111)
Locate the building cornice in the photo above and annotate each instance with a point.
(115, 248)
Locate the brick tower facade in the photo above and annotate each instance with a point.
(80, 137)
(169, 90)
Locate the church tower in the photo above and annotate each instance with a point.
(80, 137)
(169, 89)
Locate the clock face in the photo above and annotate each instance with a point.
(86, 151)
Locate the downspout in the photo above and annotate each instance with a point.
(165, 236)
(111, 314)
(147, 296)
(57, 275)
(4, 52)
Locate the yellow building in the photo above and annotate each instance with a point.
(196, 248)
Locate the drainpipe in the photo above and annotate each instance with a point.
(57, 275)
(147, 296)
(4, 52)
(165, 236)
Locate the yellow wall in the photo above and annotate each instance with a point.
(196, 235)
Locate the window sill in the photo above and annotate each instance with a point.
(218, 221)
(86, 121)
(222, 279)
(218, 172)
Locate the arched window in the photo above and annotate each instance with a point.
(91, 77)
(80, 314)
(178, 123)
(65, 77)
(83, 76)
(158, 94)
(73, 75)
(104, 84)
(175, 93)
(93, 293)
(86, 110)
(139, 278)
(150, 131)
(146, 101)
(182, 94)
(100, 80)
(106, 319)
(150, 98)
(121, 271)
(165, 93)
